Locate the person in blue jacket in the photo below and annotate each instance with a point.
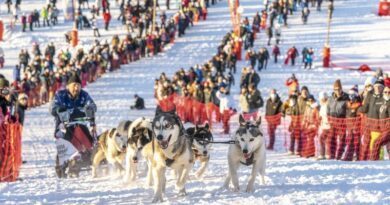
(73, 100)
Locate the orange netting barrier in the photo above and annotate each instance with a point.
(375, 134)
(10, 151)
(191, 110)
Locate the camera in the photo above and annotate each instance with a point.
(4, 91)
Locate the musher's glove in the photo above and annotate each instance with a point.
(89, 111)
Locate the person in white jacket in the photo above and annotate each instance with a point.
(226, 107)
(324, 127)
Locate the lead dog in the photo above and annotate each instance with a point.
(139, 134)
(201, 138)
(170, 148)
(112, 147)
(249, 149)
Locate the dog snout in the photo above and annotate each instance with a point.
(159, 137)
(245, 151)
(135, 158)
(124, 147)
(204, 152)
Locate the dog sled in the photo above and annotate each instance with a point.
(75, 143)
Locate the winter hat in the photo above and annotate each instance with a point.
(3, 83)
(305, 88)
(74, 78)
(379, 82)
(337, 84)
(311, 98)
(323, 95)
(354, 91)
(370, 81)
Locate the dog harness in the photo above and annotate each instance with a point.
(168, 161)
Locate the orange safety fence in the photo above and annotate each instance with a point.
(191, 110)
(10, 151)
(358, 138)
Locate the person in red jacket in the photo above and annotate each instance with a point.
(106, 19)
(24, 22)
(30, 20)
(276, 53)
(292, 53)
(387, 80)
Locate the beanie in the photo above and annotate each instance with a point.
(74, 78)
(337, 84)
(3, 83)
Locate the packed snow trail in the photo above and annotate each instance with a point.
(290, 180)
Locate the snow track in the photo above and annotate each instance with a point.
(290, 180)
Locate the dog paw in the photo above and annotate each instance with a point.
(250, 189)
(157, 199)
(183, 192)
(236, 189)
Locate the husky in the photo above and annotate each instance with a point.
(170, 148)
(112, 147)
(249, 149)
(201, 138)
(139, 134)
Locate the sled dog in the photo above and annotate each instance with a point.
(169, 148)
(112, 147)
(139, 133)
(249, 149)
(201, 138)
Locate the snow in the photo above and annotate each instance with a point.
(358, 36)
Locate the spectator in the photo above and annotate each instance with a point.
(276, 53)
(353, 128)
(324, 128)
(310, 125)
(1, 57)
(244, 105)
(255, 101)
(263, 57)
(337, 108)
(226, 108)
(139, 103)
(106, 19)
(272, 110)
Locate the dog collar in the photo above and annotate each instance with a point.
(248, 161)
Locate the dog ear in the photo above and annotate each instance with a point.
(258, 121)
(111, 133)
(207, 126)
(242, 120)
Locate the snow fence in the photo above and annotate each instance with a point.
(10, 151)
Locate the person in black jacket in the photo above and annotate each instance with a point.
(263, 57)
(139, 103)
(273, 109)
(255, 100)
(371, 107)
(337, 110)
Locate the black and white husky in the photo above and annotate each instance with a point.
(201, 145)
(139, 133)
(249, 149)
(169, 148)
